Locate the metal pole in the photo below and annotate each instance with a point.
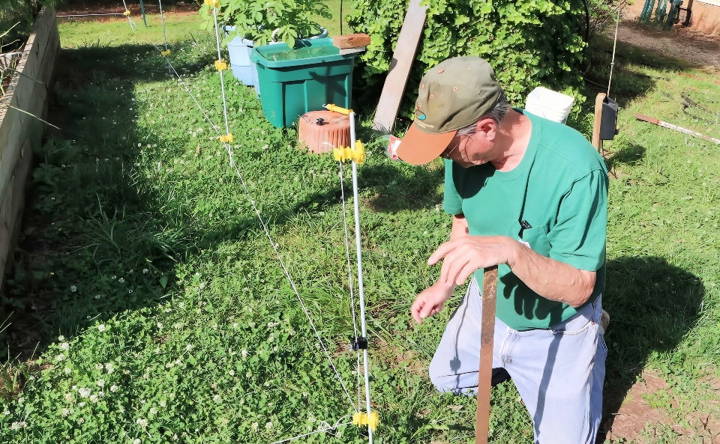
(361, 288)
(142, 11)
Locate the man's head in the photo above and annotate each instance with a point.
(456, 99)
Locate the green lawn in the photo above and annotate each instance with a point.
(161, 312)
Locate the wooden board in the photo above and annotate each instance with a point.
(400, 65)
(19, 132)
(596, 140)
(487, 332)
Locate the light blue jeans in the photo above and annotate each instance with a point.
(559, 372)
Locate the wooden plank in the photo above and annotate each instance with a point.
(13, 206)
(400, 65)
(487, 332)
(19, 133)
(351, 41)
(596, 140)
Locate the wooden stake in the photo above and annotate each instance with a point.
(403, 57)
(596, 140)
(680, 129)
(482, 413)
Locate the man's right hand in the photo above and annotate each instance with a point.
(430, 301)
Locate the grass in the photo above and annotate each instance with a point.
(161, 313)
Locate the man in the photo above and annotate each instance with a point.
(530, 196)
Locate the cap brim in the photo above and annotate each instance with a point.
(419, 147)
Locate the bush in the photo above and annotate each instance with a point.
(260, 21)
(528, 43)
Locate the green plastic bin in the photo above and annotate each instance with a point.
(295, 81)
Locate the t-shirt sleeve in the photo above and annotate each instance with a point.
(452, 204)
(578, 236)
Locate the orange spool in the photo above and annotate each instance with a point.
(321, 131)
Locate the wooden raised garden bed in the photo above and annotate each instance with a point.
(20, 132)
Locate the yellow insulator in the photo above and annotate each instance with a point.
(338, 109)
(358, 154)
(363, 419)
(127, 13)
(227, 138)
(221, 65)
(213, 3)
(165, 52)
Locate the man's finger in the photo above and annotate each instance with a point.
(441, 252)
(415, 310)
(425, 312)
(466, 271)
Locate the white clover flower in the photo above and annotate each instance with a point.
(109, 368)
(202, 285)
(98, 296)
(235, 325)
(61, 338)
(142, 422)
(232, 372)
(93, 398)
(18, 425)
(153, 411)
(188, 347)
(268, 425)
(217, 399)
(81, 404)
(81, 420)
(67, 370)
(98, 366)
(121, 280)
(145, 271)
(6, 412)
(101, 383)
(254, 426)
(114, 388)
(84, 392)
(65, 412)
(159, 325)
(60, 357)
(102, 327)
(73, 288)
(273, 324)
(136, 441)
(69, 397)
(244, 353)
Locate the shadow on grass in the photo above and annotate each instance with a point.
(92, 245)
(653, 305)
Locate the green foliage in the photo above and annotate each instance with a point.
(529, 43)
(265, 21)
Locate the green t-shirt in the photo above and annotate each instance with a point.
(563, 183)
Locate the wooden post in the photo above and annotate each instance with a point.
(596, 140)
(404, 54)
(482, 412)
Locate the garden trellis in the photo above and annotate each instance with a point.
(355, 154)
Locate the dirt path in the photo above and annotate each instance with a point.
(680, 43)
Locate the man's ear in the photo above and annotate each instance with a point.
(488, 127)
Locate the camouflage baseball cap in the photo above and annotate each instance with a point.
(452, 95)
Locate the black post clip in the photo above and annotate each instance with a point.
(359, 343)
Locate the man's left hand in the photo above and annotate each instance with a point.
(462, 256)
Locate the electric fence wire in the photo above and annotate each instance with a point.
(322, 430)
(351, 284)
(162, 19)
(130, 21)
(612, 61)
(253, 204)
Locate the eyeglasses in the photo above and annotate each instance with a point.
(454, 144)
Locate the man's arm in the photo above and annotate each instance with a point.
(547, 277)
(432, 299)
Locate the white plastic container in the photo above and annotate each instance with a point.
(549, 104)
